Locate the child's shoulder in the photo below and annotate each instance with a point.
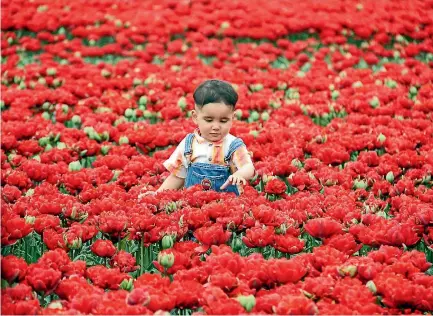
(232, 140)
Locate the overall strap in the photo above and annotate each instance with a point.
(235, 144)
(188, 147)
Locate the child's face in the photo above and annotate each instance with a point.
(214, 120)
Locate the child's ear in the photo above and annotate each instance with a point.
(194, 116)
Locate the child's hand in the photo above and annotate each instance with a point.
(233, 179)
(142, 195)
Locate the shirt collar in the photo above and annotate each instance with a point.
(201, 140)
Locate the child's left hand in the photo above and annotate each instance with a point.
(235, 180)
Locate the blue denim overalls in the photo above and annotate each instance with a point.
(210, 176)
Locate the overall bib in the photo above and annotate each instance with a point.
(210, 176)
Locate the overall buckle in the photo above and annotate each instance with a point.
(206, 184)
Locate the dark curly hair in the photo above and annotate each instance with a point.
(215, 91)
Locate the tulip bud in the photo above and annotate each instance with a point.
(391, 83)
(390, 177)
(371, 286)
(30, 219)
(374, 102)
(55, 305)
(123, 140)
(137, 82)
(256, 87)
(127, 284)
(167, 242)
(118, 23)
(182, 103)
(143, 100)
(238, 114)
(104, 136)
(105, 73)
(296, 163)
(224, 25)
(254, 133)
(46, 116)
(247, 302)
(51, 71)
(357, 84)
(281, 230)
(76, 244)
(57, 82)
(335, 94)
(42, 81)
(413, 90)
(116, 174)
(282, 86)
(76, 120)
(75, 166)
(129, 113)
(60, 145)
(254, 115)
(265, 116)
(44, 141)
(381, 138)
(348, 270)
(105, 149)
(65, 108)
(275, 104)
(166, 260)
(360, 184)
(147, 114)
(30, 192)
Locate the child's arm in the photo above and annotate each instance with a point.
(175, 165)
(171, 183)
(245, 168)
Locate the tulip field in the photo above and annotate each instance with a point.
(335, 105)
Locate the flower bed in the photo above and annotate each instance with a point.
(336, 105)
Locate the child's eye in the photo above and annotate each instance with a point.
(224, 121)
(208, 120)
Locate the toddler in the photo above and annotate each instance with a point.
(211, 156)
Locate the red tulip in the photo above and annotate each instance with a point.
(124, 261)
(13, 268)
(43, 279)
(103, 248)
(323, 227)
(212, 235)
(275, 186)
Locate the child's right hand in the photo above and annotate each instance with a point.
(142, 195)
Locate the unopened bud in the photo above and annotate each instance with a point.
(166, 260)
(381, 138)
(127, 284)
(390, 177)
(247, 302)
(371, 286)
(167, 242)
(75, 166)
(360, 184)
(123, 140)
(30, 219)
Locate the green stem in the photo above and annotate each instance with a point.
(141, 255)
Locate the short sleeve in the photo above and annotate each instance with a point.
(176, 163)
(241, 157)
